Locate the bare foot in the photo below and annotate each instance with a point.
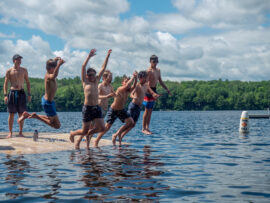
(33, 115)
(120, 141)
(77, 144)
(20, 134)
(149, 131)
(146, 132)
(25, 115)
(71, 137)
(114, 139)
(95, 144)
(9, 135)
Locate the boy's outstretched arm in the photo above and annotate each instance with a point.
(128, 84)
(163, 84)
(91, 53)
(135, 74)
(103, 68)
(60, 61)
(155, 95)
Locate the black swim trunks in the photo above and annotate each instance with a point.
(89, 113)
(112, 115)
(134, 110)
(16, 101)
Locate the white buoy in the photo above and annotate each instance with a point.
(244, 125)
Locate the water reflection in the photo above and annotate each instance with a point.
(16, 169)
(123, 174)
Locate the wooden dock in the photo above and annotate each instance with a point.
(47, 143)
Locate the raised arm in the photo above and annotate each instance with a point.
(6, 87)
(60, 61)
(27, 85)
(163, 84)
(135, 74)
(103, 68)
(128, 84)
(91, 54)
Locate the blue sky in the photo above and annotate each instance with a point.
(195, 40)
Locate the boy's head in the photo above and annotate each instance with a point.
(107, 76)
(154, 60)
(125, 80)
(17, 59)
(142, 77)
(50, 65)
(91, 74)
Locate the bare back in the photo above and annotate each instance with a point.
(50, 87)
(153, 76)
(103, 91)
(16, 77)
(90, 93)
(138, 94)
(120, 99)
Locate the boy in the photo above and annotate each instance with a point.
(47, 102)
(91, 111)
(105, 91)
(117, 109)
(154, 76)
(16, 98)
(137, 95)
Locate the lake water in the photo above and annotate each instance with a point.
(192, 156)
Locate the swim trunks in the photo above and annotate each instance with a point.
(16, 101)
(134, 110)
(149, 100)
(49, 107)
(89, 113)
(112, 115)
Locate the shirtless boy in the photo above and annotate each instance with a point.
(137, 95)
(16, 98)
(117, 109)
(154, 76)
(91, 111)
(47, 102)
(105, 91)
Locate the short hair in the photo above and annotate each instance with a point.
(142, 74)
(89, 70)
(106, 73)
(124, 78)
(51, 63)
(154, 58)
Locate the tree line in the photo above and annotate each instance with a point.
(187, 95)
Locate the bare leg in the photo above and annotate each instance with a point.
(83, 131)
(51, 121)
(107, 128)
(128, 123)
(23, 116)
(146, 121)
(98, 126)
(21, 126)
(10, 124)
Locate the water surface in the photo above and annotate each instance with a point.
(192, 156)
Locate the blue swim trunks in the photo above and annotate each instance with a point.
(49, 107)
(149, 100)
(134, 110)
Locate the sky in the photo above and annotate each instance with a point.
(194, 39)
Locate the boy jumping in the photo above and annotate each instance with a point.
(137, 95)
(117, 109)
(91, 111)
(149, 101)
(51, 118)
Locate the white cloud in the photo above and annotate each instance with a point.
(239, 52)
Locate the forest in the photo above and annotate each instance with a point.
(186, 95)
